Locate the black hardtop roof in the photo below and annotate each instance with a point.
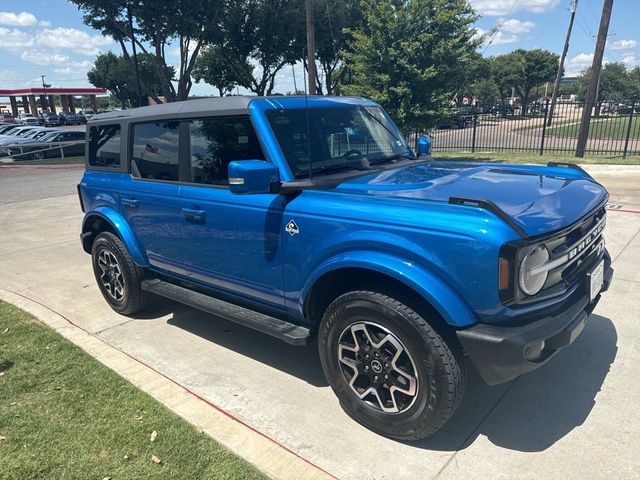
(201, 106)
(236, 105)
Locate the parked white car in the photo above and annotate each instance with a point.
(27, 119)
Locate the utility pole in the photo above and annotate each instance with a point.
(311, 49)
(596, 67)
(556, 86)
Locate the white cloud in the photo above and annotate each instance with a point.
(495, 8)
(73, 39)
(11, 78)
(623, 45)
(630, 60)
(14, 38)
(44, 57)
(516, 26)
(509, 31)
(580, 61)
(22, 19)
(79, 69)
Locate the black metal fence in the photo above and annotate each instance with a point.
(614, 129)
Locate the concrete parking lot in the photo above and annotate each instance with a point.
(576, 417)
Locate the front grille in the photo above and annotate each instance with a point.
(581, 246)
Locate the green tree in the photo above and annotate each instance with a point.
(486, 91)
(158, 26)
(332, 19)
(275, 38)
(524, 70)
(615, 84)
(411, 56)
(113, 72)
(223, 68)
(634, 84)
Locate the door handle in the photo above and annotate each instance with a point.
(194, 215)
(130, 202)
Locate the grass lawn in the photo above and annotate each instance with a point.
(51, 161)
(64, 415)
(540, 122)
(532, 157)
(611, 127)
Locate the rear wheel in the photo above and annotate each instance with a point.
(37, 156)
(391, 371)
(117, 275)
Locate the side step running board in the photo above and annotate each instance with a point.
(288, 332)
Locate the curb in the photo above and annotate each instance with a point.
(611, 169)
(260, 450)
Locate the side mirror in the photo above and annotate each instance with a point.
(424, 146)
(252, 176)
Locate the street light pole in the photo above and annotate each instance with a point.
(46, 99)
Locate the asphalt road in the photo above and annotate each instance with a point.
(25, 183)
(492, 135)
(572, 418)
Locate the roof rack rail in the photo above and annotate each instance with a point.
(491, 207)
(574, 166)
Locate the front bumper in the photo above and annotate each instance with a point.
(501, 353)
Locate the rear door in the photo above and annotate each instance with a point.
(230, 242)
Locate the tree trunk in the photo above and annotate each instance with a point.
(145, 89)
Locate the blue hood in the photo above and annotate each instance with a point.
(539, 199)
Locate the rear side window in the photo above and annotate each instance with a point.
(104, 146)
(155, 151)
(217, 141)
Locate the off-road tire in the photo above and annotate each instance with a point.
(439, 365)
(133, 298)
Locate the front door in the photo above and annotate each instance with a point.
(230, 242)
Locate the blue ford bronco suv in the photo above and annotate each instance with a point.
(312, 217)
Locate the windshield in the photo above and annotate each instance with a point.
(342, 138)
(24, 133)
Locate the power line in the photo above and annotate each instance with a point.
(593, 12)
(499, 26)
(586, 30)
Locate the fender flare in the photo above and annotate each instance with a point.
(445, 301)
(122, 229)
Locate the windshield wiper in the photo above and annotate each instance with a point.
(362, 164)
(393, 158)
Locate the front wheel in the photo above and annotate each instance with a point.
(117, 275)
(391, 371)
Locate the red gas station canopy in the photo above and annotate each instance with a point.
(52, 91)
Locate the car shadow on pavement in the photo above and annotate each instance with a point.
(533, 412)
(301, 362)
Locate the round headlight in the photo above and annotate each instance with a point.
(531, 282)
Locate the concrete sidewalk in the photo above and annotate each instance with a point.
(574, 418)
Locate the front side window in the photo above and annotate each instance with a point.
(104, 146)
(215, 142)
(155, 151)
(329, 139)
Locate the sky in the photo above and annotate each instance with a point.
(48, 37)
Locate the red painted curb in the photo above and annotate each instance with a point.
(194, 394)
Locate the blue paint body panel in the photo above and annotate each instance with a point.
(396, 222)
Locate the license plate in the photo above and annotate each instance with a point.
(596, 278)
